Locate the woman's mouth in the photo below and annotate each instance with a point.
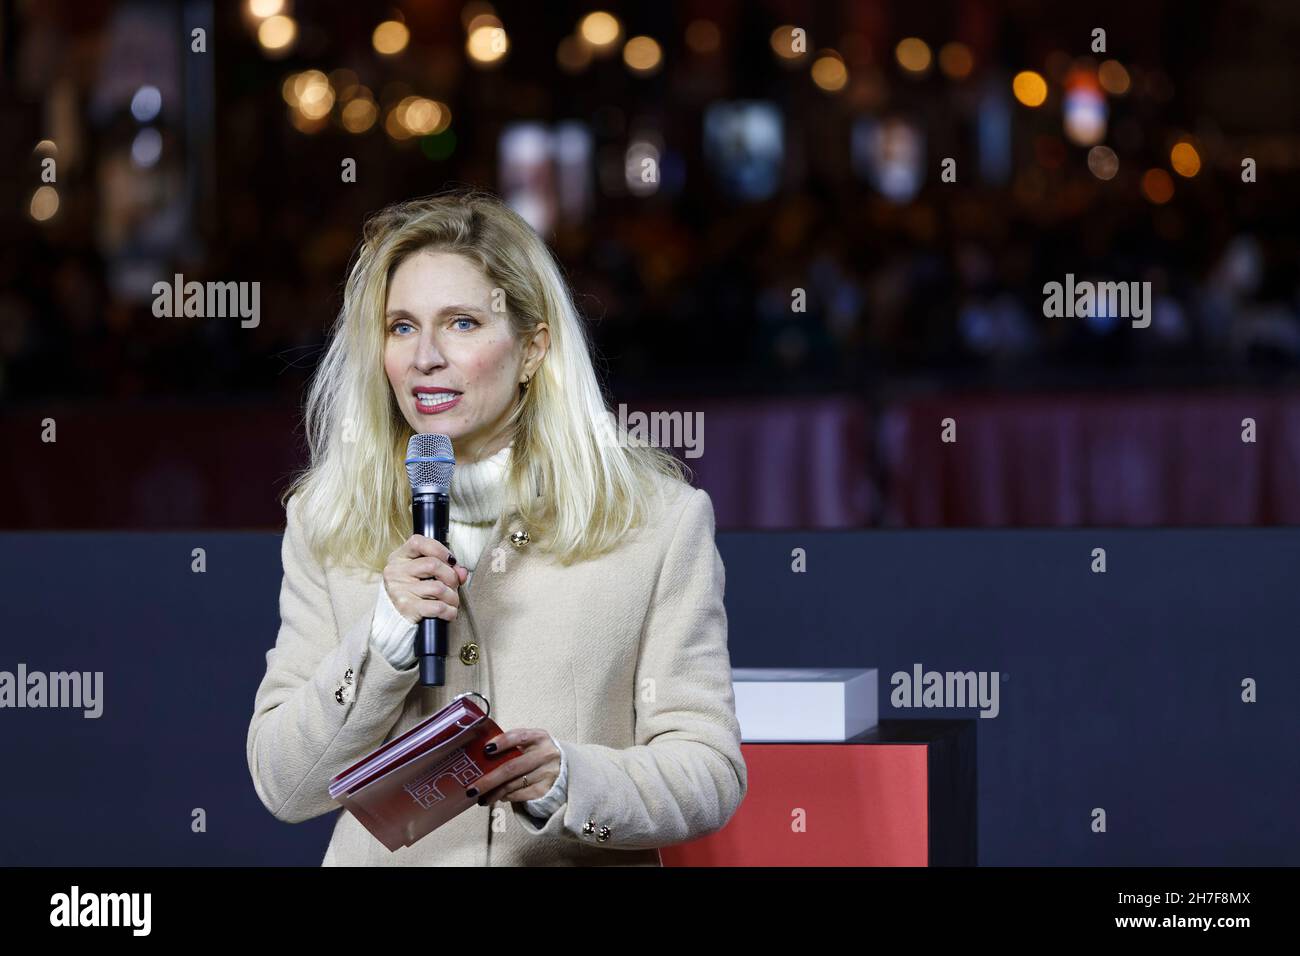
(431, 403)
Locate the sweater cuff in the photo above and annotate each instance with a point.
(542, 807)
(390, 633)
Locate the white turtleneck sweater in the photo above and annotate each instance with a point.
(477, 492)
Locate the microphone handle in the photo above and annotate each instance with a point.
(430, 513)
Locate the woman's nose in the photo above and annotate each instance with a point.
(428, 355)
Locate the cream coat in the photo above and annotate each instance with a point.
(623, 659)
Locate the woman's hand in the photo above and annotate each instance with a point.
(540, 763)
(420, 581)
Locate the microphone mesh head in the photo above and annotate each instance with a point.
(430, 461)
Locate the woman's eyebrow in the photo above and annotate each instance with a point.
(445, 310)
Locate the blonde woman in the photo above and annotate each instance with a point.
(581, 583)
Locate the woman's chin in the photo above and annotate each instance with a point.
(448, 423)
(454, 431)
(435, 427)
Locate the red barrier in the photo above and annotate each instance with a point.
(823, 805)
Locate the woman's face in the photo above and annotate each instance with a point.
(444, 342)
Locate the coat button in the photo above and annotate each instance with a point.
(343, 693)
(519, 538)
(469, 653)
(589, 827)
(602, 835)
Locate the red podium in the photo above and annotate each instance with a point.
(900, 795)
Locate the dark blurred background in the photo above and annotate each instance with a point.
(693, 164)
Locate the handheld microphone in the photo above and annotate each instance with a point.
(429, 466)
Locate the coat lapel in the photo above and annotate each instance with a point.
(483, 585)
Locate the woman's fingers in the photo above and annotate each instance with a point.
(540, 762)
(424, 568)
(503, 782)
(427, 608)
(421, 581)
(414, 607)
(418, 545)
(434, 590)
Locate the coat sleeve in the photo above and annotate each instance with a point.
(685, 776)
(311, 717)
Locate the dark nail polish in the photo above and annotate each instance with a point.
(490, 748)
(482, 801)
(451, 559)
(472, 792)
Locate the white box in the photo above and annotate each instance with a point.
(809, 705)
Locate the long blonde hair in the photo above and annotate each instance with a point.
(577, 485)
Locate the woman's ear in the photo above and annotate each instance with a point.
(538, 346)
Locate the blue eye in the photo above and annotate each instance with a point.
(465, 318)
(397, 325)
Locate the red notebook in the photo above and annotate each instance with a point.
(416, 782)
